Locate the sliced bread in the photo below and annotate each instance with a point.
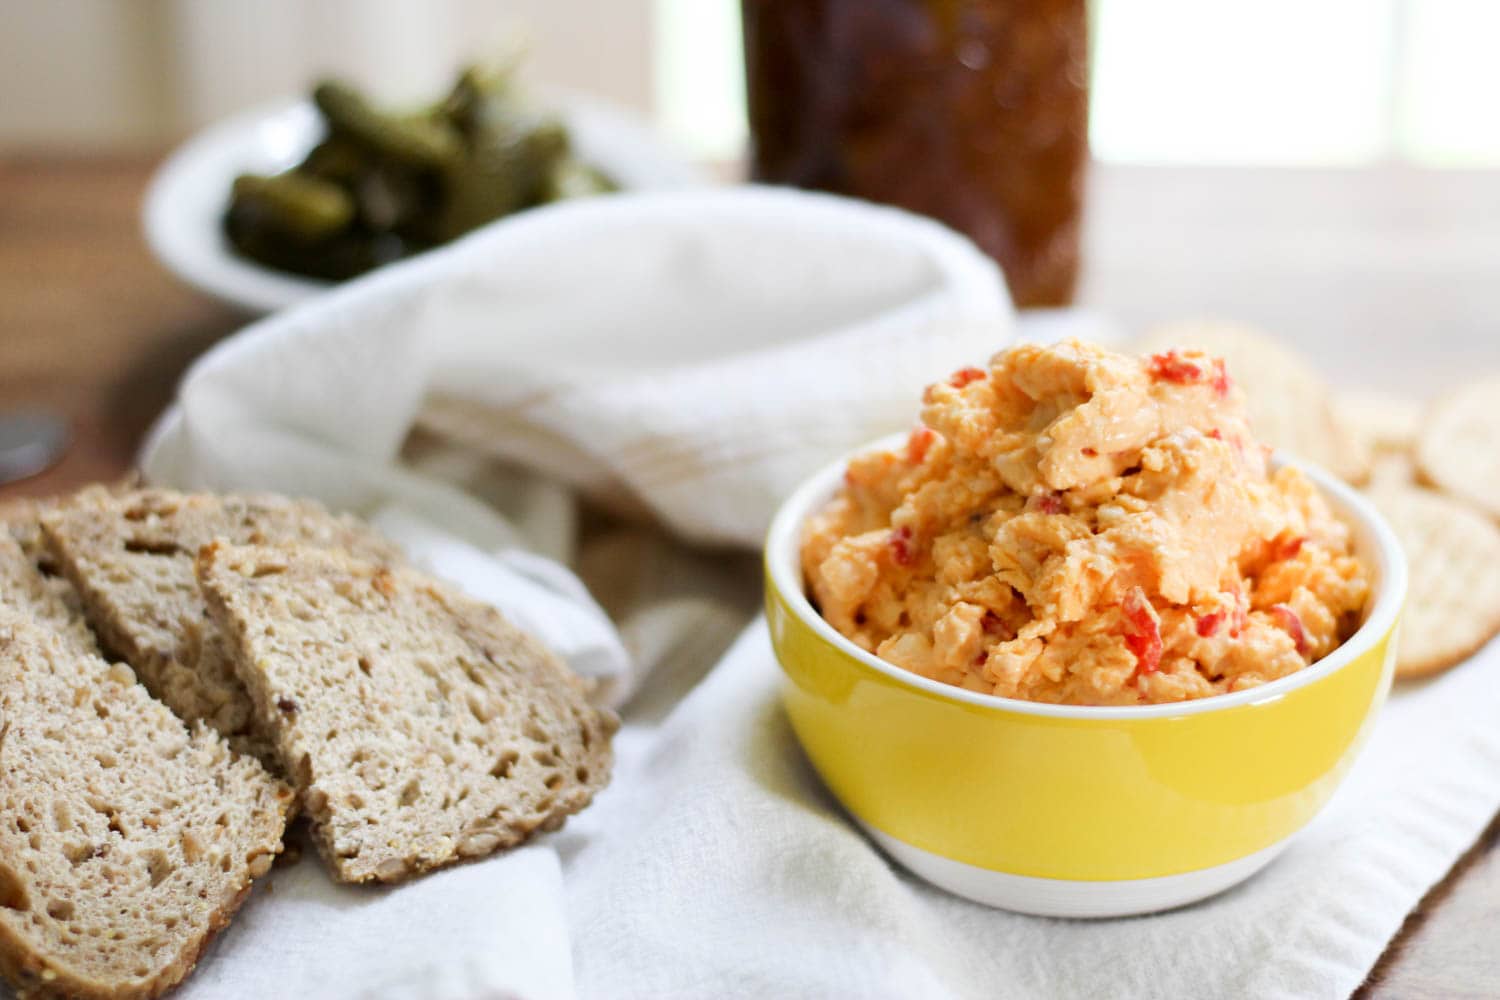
(131, 557)
(49, 601)
(22, 520)
(419, 726)
(126, 840)
(23, 517)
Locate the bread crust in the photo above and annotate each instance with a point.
(426, 730)
(130, 557)
(190, 826)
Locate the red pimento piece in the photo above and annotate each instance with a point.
(964, 376)
(991, 623)
(901, 550)
(1173, 367)
(1239, 615)
(1222, 381)
(1142, 631)
(1291, 623)
(1285, 547)
(1091, 452)
(1216, 434)
(1208, 624)
(917, 444)
(1047, 503)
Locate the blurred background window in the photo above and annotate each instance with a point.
(96, 74)
(1273, 82)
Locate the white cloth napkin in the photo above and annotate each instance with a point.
(683, 360)
(442, 937)
(720, 867)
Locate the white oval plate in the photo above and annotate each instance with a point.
(185, 203)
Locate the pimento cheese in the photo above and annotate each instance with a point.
(1077, 526)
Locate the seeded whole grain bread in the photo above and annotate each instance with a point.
(21, 518)
(126, 840)
(130, 556)
(419, 726)
(35, 585)
(49, 601)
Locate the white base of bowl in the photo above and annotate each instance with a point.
(1052, 897)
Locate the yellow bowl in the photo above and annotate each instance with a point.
(1073, 810)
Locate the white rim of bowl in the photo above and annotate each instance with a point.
(219, 272)
(783, 565)
(203, 259)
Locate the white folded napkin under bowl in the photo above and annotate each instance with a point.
(678, 362)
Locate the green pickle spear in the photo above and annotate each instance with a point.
(420, 141)
(300, 206)
(504, 174)
(383, 185)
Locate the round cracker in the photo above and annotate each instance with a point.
(1392, 468)
(1453, 604)
(1387, 422)
(1289, 404)
(1458, 449)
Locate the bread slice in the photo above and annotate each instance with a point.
(21, 518)
(131, 557)
(126, 840)
(420, 727)
(49, 601)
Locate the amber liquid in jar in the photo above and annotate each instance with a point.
(973, 112)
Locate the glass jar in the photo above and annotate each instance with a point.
(973, 112)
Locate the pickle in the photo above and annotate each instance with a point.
(572, 178)
(479, 98)
(335, 159)
(419, 140)
(383, 185)
(303, 207)
(340, 256)
(503, 174)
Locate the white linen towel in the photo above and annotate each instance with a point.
(686, 358)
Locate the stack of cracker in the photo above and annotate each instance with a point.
(1433, 471)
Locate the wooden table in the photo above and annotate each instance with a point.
(90, 326)
(1388, 277)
